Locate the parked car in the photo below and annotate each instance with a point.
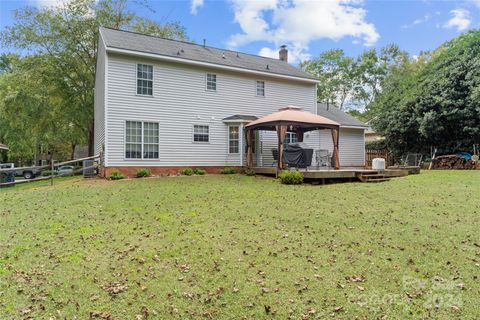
(65, 170)
(27, 173)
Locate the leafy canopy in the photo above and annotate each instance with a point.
(62, 41)
(433, 101)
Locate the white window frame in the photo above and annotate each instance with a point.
(193, 132)
(207, 81)
(142, 142)
(230, 140)
(290, 134)
(256, 88)
(137, 78)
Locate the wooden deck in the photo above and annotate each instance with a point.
(361, 174)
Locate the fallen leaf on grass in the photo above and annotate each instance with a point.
(101, 315)
(116, 288)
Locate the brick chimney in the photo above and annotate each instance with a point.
(283, 53)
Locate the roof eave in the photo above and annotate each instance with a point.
(353, 127)
(206, 64)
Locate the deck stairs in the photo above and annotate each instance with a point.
(373, 176)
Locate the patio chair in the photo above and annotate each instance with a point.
(322, 158)
(275, 157)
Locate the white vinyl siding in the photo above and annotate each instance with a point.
(351, 145)
(260, 88)
(180, 101)
(211, 82)
(144, 79)
(233, 139)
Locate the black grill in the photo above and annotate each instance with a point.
(298, 155)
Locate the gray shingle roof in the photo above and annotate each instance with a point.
(184, 50)
(240, 117)
(333, 113)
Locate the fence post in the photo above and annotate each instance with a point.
(51, 170)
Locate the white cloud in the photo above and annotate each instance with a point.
(475, 2)
(298, 22)
(424, 19)
(47, 3)
(195, 5)
(460, 20)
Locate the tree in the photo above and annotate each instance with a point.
(433, 100)
(353, 83)
(65, 37)
(372, 69)
(336, 73)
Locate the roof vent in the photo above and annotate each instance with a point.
(223, 55)
(238, 55)
(268, 68)
(204, 43)
(178, 53)
(182, 51)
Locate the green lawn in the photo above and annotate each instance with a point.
(234, 247)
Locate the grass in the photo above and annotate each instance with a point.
(233, 247)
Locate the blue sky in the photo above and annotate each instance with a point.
(308, 27)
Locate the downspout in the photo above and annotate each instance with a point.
(242, 135)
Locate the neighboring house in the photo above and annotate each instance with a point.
(372, 135)
(168, 104)
(3, 147)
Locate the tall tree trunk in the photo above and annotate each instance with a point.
(91, 139)
(72, 154)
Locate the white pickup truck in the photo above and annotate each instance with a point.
(27, 173)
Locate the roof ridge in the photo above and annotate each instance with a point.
(196, 44)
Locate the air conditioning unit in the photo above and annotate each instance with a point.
(89, 172)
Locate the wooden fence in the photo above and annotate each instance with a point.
(371, 154)
(52, 167)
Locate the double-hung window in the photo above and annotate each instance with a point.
(233, 139)
(290, 137)
(211, 82)
(200, 133)
(141, 140)
(260, 87)
(145, 79)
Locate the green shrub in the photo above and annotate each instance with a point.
(187, 172)
(291, 177)
(143, 173)
(228, 170)
(250, 172)
(199, 171)
(116, 175)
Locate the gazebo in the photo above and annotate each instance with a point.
(299, 121)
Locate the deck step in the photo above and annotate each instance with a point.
(373, 177)
(377, 180)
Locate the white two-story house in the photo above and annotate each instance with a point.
(165, 104)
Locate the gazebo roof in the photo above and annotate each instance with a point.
(293, 116)
(3, 146)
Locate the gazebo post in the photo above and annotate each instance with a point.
(249, 148)
(281, 131)
(336, 159)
